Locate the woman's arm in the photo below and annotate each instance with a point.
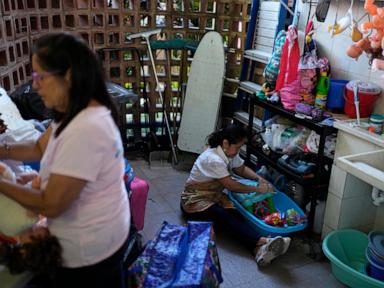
(246, 172)
(235, 186)
(29, 151)
(60, 192)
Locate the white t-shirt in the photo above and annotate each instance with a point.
(97, 222)
(213, 164)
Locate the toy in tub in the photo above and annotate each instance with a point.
(281, 202)
(346, 249)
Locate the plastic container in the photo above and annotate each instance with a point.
(368, 93)
(376, 121)
(373, 257)
(282, 204)
(346, 251)
(374, 270)
(322, 89)
(335, 100)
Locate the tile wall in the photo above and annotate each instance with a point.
(344, 67)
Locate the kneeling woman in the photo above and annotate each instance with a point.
(203, 198)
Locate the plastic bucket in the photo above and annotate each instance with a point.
(374, 270)
(366, 105)
(346, 251)
(370, 254)
(335, 100)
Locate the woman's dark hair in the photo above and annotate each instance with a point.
(62, 52)
(232, 133)
(43, 255)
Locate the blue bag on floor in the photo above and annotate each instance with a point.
(178, 256)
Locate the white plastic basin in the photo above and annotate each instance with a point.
(368, 166)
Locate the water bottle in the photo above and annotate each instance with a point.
(322, 89)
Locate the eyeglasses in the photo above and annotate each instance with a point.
(37, 77)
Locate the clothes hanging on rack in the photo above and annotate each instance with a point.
(289, 59)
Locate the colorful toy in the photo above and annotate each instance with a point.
(274, 219)
(264, 208)
(293, 218)
(261, 209)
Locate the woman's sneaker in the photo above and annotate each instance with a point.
(269, 251)
(287, 242)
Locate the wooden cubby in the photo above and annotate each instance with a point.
(70, 21)
(113, 20)
(3, 58)
(106, 24)
(6, 82)
(55, 4)
(6, 7)
(44, 23)
(98, 20)
(20, 5)
(42, 4)
(31, 4)
(82, 4)
(34, 24)
(11, 54)
(68, 4)
(56, 22)
(83, 20)
(9, 29)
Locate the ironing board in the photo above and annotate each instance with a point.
(203, 94)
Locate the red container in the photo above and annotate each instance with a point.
(368, 94)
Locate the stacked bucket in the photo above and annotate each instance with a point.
(375, 255)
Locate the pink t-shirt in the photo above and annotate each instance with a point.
(97, 222)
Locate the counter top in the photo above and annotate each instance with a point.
(349, 127)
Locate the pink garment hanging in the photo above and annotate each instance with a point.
(289, 59)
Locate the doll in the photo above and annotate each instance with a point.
(13, 217)
(25, 242)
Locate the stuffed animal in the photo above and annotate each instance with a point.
(25, 241)
(377, 23)
(364, 45)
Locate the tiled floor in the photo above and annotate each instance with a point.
(294, 269)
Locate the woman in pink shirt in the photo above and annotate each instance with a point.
(82, 191)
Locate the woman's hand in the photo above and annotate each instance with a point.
(265, 187)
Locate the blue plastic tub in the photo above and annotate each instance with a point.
(282, 203)
(346, 251)
(375, 270)
(372, 255)
(335, 98)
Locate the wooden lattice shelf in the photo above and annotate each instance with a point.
(106, 24)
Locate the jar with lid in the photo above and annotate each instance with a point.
(376, 121)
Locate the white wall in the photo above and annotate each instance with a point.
(343, 67)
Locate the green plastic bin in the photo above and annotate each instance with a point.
(346, 251)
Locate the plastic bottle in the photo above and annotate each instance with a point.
(377, 121)
(322, 89)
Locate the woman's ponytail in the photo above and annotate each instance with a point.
(232, 133)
